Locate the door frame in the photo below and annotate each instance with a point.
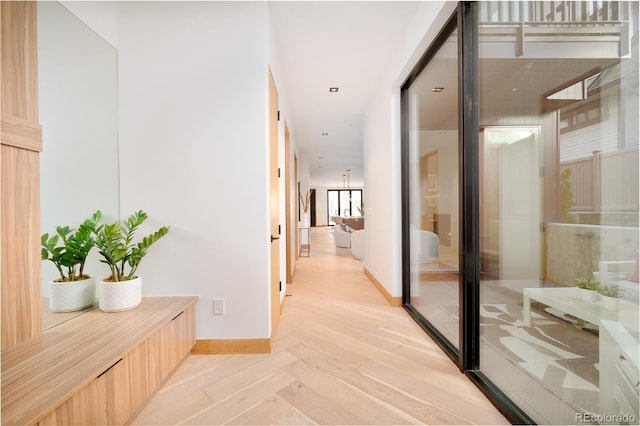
(274, 205)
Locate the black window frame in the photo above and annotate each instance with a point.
(467, 356)
(339, 206)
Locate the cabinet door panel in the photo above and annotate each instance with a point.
(118, 393)
(139, 374)
(86, 407)
(155, 369)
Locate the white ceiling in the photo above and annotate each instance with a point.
(334, 44)
(348, 44)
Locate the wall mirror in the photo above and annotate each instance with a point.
(78, 91)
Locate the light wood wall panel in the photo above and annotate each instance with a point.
(21, 140)
(19, 64)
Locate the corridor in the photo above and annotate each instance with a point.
(341, 355)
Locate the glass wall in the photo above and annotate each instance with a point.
(559, 199)
(433, 191)
(551, 124)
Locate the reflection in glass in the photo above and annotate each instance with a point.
(559, 201)
(433, 192)
(77, 79)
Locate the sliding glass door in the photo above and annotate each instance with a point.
(431, 102)
(559, 185)
(530, 156)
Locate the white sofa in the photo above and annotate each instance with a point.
(342, 235)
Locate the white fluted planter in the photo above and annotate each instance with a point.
(72, 296)
(116, 296)
(611, 303)
(589, 295)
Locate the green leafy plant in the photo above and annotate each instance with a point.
(68, 249)
(588, 283)
(612, 290)
(115, 244)
(566, 198)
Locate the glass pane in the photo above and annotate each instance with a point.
(345, 203)
(356, 204)
(559, 206)
(333, 206)
(433, 188)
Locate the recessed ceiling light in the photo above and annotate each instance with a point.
(325, 134)
(320, 158)
(333, 89)
(437, 89)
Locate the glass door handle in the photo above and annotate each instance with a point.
(274, 238)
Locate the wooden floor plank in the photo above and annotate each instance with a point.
(224, 411)
(294, 417)
(319, 407)
(342, 394)
(341, 355)
(272, 410)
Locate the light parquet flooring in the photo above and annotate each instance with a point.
(341, 355)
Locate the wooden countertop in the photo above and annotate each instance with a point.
(42, 372)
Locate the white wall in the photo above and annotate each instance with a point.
(383, 252)
(100, 16)
(321, 205)
(194, 154)
(193, 149)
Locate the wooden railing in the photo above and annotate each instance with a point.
(591, 21)
(554, 11)
(605, 181)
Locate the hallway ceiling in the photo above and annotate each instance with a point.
(335, 44)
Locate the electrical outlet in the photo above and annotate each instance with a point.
(218, 306)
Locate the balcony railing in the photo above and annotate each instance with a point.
(605, 182)
(556, 12)
(586, 21)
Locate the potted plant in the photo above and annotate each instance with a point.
(611, 295)
(588, 289)
(122, 289)
(68, 250)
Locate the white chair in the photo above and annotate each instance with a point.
(342, 235)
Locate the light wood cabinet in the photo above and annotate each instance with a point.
(20, 146)
(99, 368)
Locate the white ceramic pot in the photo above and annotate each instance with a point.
(116, 296)
(611, 303)
(589, 295)
(72, 296)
